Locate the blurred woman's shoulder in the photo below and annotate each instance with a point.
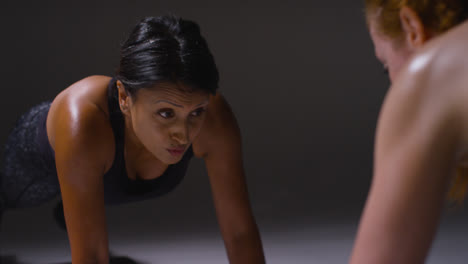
(440, 67)
(444, 56)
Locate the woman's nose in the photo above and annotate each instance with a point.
(180, 134)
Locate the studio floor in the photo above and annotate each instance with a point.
(23, 241)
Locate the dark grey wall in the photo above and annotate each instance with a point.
(301, 78)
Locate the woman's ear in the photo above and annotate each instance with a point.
(414, 32)
(124, 98)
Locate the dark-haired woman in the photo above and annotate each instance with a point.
(114, 140)
(422, 136)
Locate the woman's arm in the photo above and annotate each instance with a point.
(415, 160)
(82, 145)
(219, 143)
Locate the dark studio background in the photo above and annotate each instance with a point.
(300, 76)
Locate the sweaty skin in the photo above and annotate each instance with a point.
(422, 137)
(155, 119)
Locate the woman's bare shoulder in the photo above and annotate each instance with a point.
(78, 120)
(92, 89)
(433, 87)
(220, 128)
(441, 62)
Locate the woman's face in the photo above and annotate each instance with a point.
(166, 120)
(392, 53)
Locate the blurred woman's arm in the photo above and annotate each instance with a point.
(416, 155)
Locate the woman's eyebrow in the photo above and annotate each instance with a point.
(202, 103)
(177, 105)
(169, 102)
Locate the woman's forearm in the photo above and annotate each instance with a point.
(245, 248)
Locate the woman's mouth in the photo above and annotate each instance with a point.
(176, 152)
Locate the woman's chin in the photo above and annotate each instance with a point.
(170, 159)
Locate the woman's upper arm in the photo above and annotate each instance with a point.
(219, 143)
(414, 161)
(83, 146)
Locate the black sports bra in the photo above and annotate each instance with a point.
(118, 188)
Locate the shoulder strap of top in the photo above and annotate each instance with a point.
(115, 115)
(117, 123)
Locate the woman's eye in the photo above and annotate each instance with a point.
(198, 112)
(166, 113)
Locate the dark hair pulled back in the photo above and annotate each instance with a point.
(166, 49)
